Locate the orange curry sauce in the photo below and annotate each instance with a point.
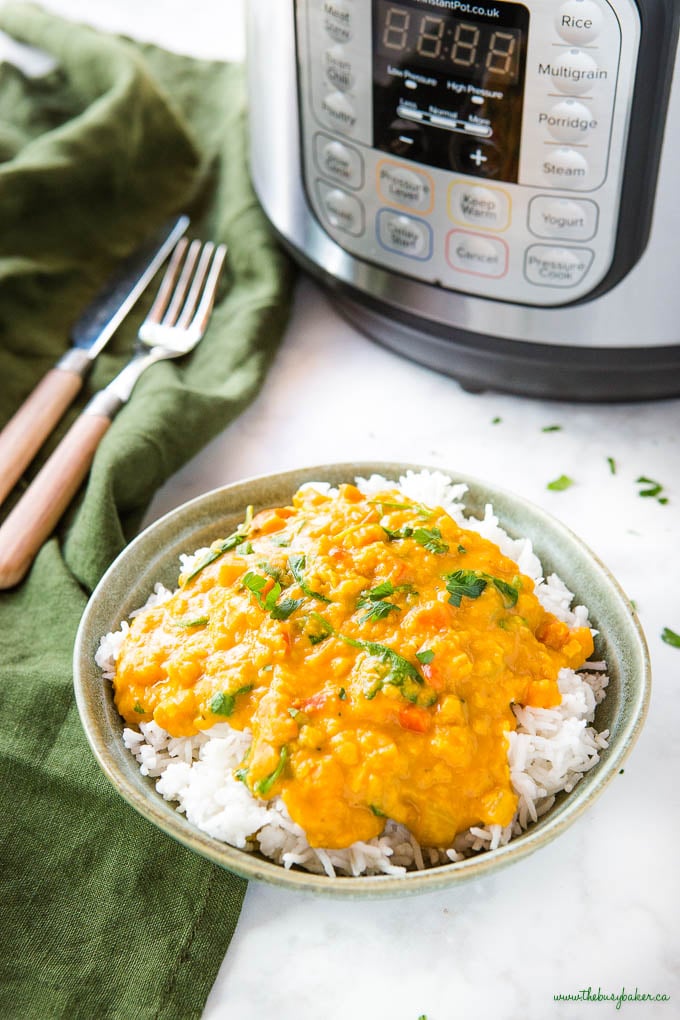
(374, 649)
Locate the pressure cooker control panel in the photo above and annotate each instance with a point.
(474, 144)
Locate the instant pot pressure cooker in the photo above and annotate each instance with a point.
(489, 187)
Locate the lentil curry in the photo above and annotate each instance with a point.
(373, 647)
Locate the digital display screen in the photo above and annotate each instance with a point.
(448, 83)
(456, 44)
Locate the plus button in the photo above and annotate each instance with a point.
(477, 157)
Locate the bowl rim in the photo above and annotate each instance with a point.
(142, 796)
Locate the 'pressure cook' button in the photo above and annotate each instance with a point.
(579, 21)
(478, 205)
(566, 168)
(343, 211)
(556, 267)
(339, 111)
(404, 234)
(340, 161)
(480, 256)
(337, 19)
(405, 187)
(562, 218)
(576, 72)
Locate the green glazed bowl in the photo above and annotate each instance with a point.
(153, 556)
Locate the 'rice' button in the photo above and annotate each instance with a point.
(343, 211)
(405, 235)
(556, 267)
(579, 21)
(341, 162)
(475, 254)
(339, 112)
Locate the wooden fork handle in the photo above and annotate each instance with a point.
(37, 513)
(27, 430)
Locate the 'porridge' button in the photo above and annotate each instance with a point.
(556, 267)
(473, 253)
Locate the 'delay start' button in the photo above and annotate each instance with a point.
(476, 254)
(405, 235)
(548, 266)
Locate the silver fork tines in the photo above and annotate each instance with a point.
(180, 313)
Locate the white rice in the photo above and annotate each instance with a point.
(549, 751)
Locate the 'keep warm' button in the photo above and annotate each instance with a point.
(473, 253)
(556, 267)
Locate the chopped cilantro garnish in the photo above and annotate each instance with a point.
(560, 484)
(399, 672)
(256, 583)
(377, 812)
(420, 508)
(462, 550)
(297, 567)
(667, 635)
(263, 786)
(219, 548)
(425, 656)
(283, 609)
(464, 583)
(325, 628)
(393, 536)
(374, 600)
(510, 592)
(342, 694)
(378, 610)
(430, 539)
(224, 704)
(196, 621)
(138, 708)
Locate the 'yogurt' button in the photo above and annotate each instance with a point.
(568, 121)
(404, 234)
(556, 267)
(339, 111)
(480, 206)
(576, 72)
(343, 211)
(340, 161)
(566, 168)
(337, 19)
(579, 21)
(563, 218)
(472, 253)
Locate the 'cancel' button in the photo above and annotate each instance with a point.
(476, 254)
(548, 266)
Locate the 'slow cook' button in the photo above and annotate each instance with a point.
(404, 234)
(473, 253)
(341, 210)
(340, 161)
(556, 267)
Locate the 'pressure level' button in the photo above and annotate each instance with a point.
(405, 187)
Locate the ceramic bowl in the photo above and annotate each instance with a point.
(153, 556)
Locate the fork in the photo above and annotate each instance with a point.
(176, 322)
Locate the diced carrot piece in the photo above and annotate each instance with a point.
(411, 717)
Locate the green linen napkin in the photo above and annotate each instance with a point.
(103, 915)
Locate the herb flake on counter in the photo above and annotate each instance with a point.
(670, 637)
(560, 484)
(652, 489)
(551, 428)
(612, 465)
(496, 420)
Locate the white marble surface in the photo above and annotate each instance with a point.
(598, 907)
